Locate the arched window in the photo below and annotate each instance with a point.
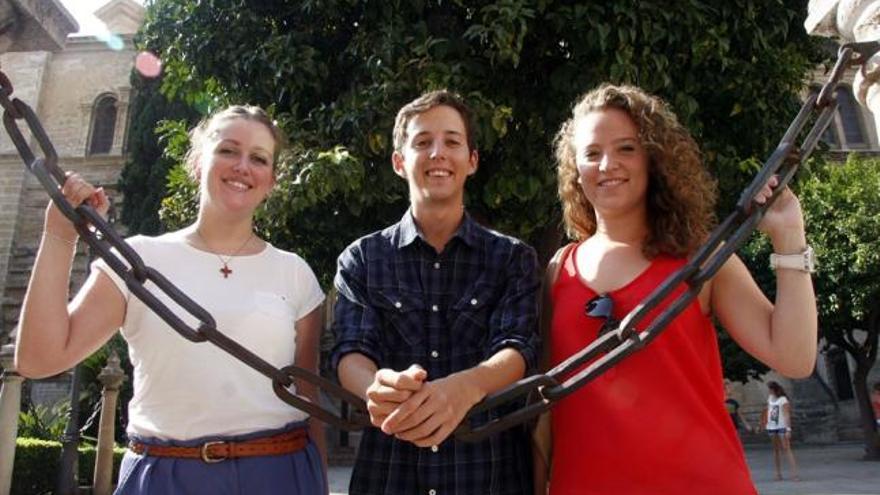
(850, 118)
(103, 125)
(846, 131)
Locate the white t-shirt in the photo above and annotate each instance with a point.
(776, 419)
(185, 390)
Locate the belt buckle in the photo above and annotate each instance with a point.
(207, 458)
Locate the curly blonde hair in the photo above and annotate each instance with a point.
(681, 193)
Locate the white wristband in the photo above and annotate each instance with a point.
(805, 261)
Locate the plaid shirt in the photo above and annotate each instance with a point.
(400, 302)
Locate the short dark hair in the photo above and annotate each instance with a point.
(776, 388)
(427, 101)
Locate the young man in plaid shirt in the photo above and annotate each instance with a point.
(434, 313)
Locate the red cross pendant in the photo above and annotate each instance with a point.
(225, 271)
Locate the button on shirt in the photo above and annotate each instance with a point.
(400, 302)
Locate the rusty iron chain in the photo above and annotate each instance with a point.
(540, 392)
(103, 240)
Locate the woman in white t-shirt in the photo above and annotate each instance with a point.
(200, 421)
(777, 422)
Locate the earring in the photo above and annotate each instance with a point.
(578, 180)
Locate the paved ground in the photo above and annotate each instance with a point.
(824, 470)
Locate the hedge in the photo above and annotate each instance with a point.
(35, 470)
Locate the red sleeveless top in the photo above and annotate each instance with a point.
(656, 422)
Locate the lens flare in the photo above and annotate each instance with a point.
(113, 41)
(147, 64)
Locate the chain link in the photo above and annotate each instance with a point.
(124, 261)
(96, 412)
(542, 391)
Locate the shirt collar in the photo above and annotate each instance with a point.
(408, 230)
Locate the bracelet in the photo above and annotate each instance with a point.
(69, 242)
(804, 261)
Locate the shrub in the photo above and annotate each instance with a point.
(37, 461)
(44, 423)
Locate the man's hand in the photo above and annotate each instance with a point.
(432, 413)
(390, 389)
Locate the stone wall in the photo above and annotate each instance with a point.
(62, 89)
(103, 171)
(817, 417)
(85, 70)
(26, 71)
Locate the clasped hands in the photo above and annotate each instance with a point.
(414, 409)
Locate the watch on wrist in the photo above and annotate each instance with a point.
(805, 261)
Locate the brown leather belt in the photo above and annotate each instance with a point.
(218, 451)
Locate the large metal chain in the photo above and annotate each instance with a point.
(542, 391)
(103, 240)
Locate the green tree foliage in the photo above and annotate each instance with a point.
(36, 460)
(145, 173)
(335, 72)
(843, 214)
(43, 422)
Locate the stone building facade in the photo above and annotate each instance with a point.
(81, 94)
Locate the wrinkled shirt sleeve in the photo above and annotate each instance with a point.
(514, 321)
(356, 325)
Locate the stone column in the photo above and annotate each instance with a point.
(85, 126)
(111, 377)
(122, 108)
(852, 21)
(10, 405)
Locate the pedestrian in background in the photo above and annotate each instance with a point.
(777, 422)
(875, 401)
(733, 409)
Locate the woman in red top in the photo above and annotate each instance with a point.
(638, 200)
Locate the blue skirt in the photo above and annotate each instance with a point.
(300, 473)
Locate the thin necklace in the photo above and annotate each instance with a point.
(226, 271)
